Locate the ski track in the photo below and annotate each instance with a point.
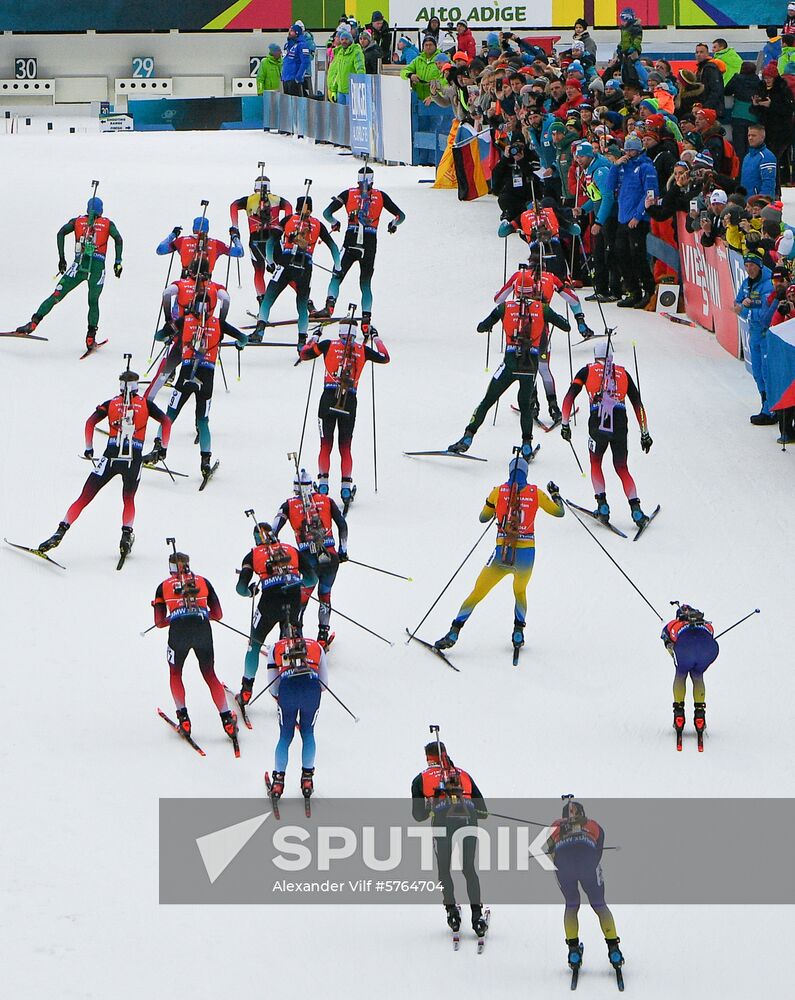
(84, 756)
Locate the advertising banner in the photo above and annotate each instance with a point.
(364, 109)
(710, 278)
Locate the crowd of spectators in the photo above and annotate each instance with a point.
(619, 149)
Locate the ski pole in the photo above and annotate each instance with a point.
(223, 373)
(612, 560)
(379, 570)
(591, 276)
(228, 266)
(354, 622)
(571, 374)
(505, 263)
(576, 459)
(637, 376)
(339, 700)
(262, 692)
(306, 410)
(756, 611)
(488, 347)
(466, 557)
(238, 365)
(516, 819)
(375, 443)
(160, 307)
(239, 282)
(147, 630)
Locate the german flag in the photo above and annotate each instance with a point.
(468, 168)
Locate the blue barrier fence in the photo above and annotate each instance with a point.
(430, 126)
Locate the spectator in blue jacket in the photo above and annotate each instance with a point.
(758, 171)
(756, 303)
(297, 60)
(537, 133)
(406, 50)
(600, 201)
(631, 178)
(771, 50)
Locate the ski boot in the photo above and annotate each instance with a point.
(183, 721)
(30, 326)
(479, 925)
(323, 636)
(326, 312)
(255, 337)
(583, 329)
(527, 449)
(126, 541)
(462, 445)
(55, 539)
(679, 717)
(322, 483)
(206, 464)
(366, 317)
(638, 516)
(229, 722)
(449, 640)
(614, 952)
(575, 952)
(554, 410)
(260, 297)
(518, 634)
(453, 917)
(307, 784)
(535, 408)
(301, 342)
(277, 785)
(347, 493)
(700, 716)
(602, 512)
(246, 686)
(91, 338)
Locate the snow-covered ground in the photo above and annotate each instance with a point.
(84, 757)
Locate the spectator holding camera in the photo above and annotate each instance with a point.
(755, 303)
(513, 180)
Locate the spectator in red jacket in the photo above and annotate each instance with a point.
(466, 40)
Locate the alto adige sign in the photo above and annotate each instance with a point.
(408, 14)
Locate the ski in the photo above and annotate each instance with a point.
(152, 468)
(241, 706)
(120, 563)
(34, 552)
(313, 320)
(181, 732)
(619, 979)
(208, 475)
(517, 648)
(449, 454)
(645, 524)
(575, 969)
(700, 738)
(274, 799)
(677, 319)
(457, 934)
(595, 516)
(532, 454)
(482, 937)
(433, 649)
(260, 343)
(93, 350)
(24, 336)
(327, 643)
(307, 793)
(679, 740)
(235, 744)
(594, 336)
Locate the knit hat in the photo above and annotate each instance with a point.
(366, 36)
(597, 84)
(688, 77)
(578, 45)
(753, 258)
(780, 271)
(462, 56)
(584, 149)
(574, 83)
(703, 161)
(376, 16)
(633, 142)
(557, 126)
(274, 48)
(773, 212)
(718, 197)
(296, 27)
(614, 150)
(575, 66)
(613, 85)
(405, 39)
(429, 38)
(627, 14)
(771, 70)
(492, 39)
(494, 53)
(656, 121)
(709, 113)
